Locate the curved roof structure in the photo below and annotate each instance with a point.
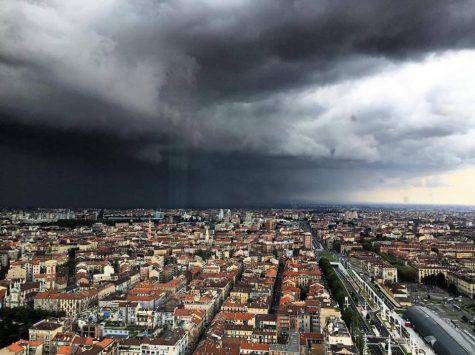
(442, 336)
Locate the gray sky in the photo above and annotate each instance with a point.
(160, 103)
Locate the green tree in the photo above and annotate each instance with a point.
(116, 265)
(337, 246)
(453, 289)
(350, 318)
(368, 246)
(15, 322)
(407, 273)
(435, 280)
(440, 280)
(203, 254)
(336, 287)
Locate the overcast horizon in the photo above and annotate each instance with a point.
(236, 103)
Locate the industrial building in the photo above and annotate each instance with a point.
(442, 336)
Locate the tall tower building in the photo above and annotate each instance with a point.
(149, 229)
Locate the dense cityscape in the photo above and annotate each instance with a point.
(326, 280)
(213, 177)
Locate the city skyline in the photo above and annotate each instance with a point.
(300, 281)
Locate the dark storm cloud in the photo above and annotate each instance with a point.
(57, 143)
(222, 101)
(292, 43)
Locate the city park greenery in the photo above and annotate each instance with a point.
(439, 280)
(405, 273)
(15, 322)
(339, 293)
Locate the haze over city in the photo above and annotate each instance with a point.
(236, 103)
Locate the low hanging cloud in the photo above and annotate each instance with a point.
(381, 86)
(425, 108)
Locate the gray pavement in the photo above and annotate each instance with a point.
(449, 308)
